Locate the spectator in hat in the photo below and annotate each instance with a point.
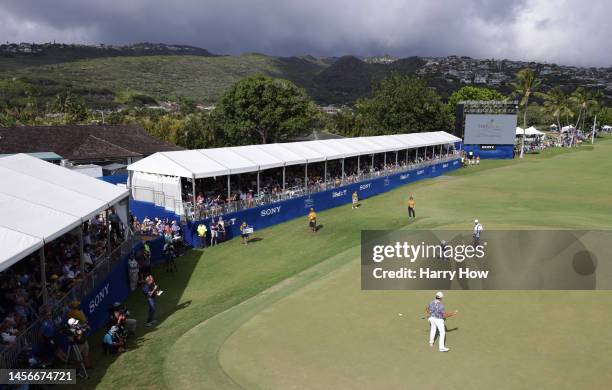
(76, 312)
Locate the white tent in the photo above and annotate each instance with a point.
(40, 201)
(152, 177)
(233, 160)
(529, 132)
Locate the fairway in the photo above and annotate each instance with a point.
(288, 312)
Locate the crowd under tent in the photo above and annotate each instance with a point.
(157, 178)
(40, 202)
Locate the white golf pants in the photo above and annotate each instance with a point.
(437, 324)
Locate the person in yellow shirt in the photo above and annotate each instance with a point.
(355, 200)
(411, 206)
(312, 220)
(244, 234)
(202, 234)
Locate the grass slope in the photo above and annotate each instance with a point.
(517, 193)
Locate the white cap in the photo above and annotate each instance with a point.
(439, 295)
(475, 221)
(72, 321)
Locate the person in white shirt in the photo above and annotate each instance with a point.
(477, 232)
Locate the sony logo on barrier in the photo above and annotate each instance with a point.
(455, 162)
(444, 165)
(336, 194)
(420, 172)
(270, 211)
(365, 186)
(404, 177)
(93, 304)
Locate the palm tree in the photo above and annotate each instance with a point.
(556, 104)
(526, 85)
(585, 102)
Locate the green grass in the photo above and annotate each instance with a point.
(570, 190)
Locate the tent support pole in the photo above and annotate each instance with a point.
(43, 274)
(306, 178)
(342, 171)
(229, 189)
(258, 182)
(81, 252)
(396, 154)
(193, 191)
(407, 156)
(385, 161)
(108, 233)
(372, 163)
(358, 166)
(284, 185)
(325, 174)
(425, 154)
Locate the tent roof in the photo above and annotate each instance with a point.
(40, 201)
(240, 159)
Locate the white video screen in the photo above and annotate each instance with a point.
(482, 129)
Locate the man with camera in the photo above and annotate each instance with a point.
(77, 335)
(113, 342)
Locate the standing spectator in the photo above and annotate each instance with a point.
(355, 199)
(221, 226)
(244, 234)
(312, 220)
(411, 206)
(214, 232)
(150, 291)
(477, 232)
(133, 273)
(115, 224)
(76, 312)
(202, 234)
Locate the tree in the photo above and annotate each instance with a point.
(72, 106)
(263, 109)
(473, 93)
(403, 104)
(585, 102)
(525, 85)
(556, 104)
(201, 130)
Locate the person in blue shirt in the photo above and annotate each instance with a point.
(150, 291)
(112, 342)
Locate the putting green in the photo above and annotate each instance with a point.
(319, 330)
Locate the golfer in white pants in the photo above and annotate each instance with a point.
(436, 313)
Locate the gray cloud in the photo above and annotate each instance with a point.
(564, 31)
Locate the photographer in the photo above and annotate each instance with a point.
(118, 316)
(113, 342)
(77, 336)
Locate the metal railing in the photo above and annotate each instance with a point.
(9, 354)
(203, 212)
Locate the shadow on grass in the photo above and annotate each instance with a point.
(169, 303)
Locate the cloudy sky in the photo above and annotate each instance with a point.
(573, 32)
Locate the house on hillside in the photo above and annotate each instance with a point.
(101, 145)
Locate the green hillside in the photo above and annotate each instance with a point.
(196, 77)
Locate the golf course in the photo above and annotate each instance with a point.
(287, 311)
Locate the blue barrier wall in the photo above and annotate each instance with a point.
(115, 179)
(500, 152)
(115, 287)
(274, 213)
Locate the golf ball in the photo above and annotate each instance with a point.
(400, 314)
